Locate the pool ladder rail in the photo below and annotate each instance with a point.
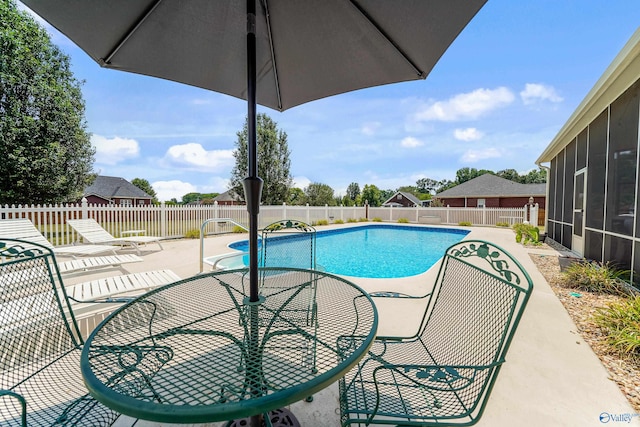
(216, 260)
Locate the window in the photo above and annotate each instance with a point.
(126, 202)
(140, 202)
(481, 203)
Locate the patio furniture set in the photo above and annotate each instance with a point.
(198, 350)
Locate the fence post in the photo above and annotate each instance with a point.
(484, 215)
(448, 206)
(163, 219)
(85, 208)
(308, 215)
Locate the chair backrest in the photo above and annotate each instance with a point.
(91, 231)
(288, 243)
(23, 229)
(36, 321)
(477, 301)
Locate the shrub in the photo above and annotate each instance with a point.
(464, 224)
(194, 233)
(597, 277)
(322, 222)
(502, 224)
(363, 220)
(351, 220)
(238, 229)
(620, 322)
(377, 219)
(403, 220)
(338, 221)
(527, 233)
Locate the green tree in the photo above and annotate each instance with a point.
(353, 191)
(297, 197)
(348, 201)
(427, 185)
(273, 165)
(535, 176)
(372, 195)
(510, 174)
(386, 194)
(144, 185)
(467, 174)
(46, 150)
(319, 195)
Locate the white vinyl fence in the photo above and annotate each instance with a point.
(171, 221)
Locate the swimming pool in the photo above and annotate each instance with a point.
(378, 251)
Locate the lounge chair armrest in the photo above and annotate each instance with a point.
(23, 403)
(107, 300)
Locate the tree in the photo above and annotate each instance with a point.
(144, 185)
(46, 150)
(273, 166)
(372, 194)
(297, 197)
(535, 176)
(510, 174)
(427, 185)
(353, 191)
(467, 174)
(319, 194)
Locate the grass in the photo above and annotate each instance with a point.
(621, 323)
(597, 277)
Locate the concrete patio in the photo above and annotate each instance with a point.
(551, 377)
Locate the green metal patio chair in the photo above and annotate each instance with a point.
(40, 345)
(445, 373)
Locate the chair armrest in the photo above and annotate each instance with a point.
(23, 403)
(393, 294)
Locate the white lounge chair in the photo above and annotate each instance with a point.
(94, 233)
(24, 229)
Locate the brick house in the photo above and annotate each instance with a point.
(112, 190)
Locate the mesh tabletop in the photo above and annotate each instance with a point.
(198, 351)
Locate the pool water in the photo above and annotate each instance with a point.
(378, 251)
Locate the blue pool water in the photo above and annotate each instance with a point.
(379, 251)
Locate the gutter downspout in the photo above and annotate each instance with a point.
(546, 208)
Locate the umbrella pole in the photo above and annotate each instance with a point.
(253, 191)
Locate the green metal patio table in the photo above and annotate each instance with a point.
(198, 351)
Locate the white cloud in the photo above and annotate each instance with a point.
(110, 151)
(301, 182)
(195, 156)
(467, 106)
(536, 92)
(411, 142)
(468, 134)
(472, 156)
(167, 190)
(370, 128)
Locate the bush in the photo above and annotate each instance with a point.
(351, 220)
(194, 233)
(527, 233)
(620, 321)
(597, 277)
(363, 220)
(338, 221)
(502, 224)
(403, 220)
(322, 222)
(464, 224)
(377, 219)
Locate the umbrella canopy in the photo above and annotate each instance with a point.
(279, 54)
(306, 49)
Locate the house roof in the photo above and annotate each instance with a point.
(617, 78)
(109, 187)
(224, 197)
(406, 195)
(489, 185)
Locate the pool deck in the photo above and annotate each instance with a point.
(551, 377)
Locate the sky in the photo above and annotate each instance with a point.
(495, 100)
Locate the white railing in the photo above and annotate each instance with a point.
(175, 221)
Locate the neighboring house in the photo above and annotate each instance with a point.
(226, 199)
(404, 200)
(112, 190)
(593, 176)
(492, 191)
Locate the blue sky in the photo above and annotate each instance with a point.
(495, 100)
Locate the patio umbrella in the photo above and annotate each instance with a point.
(281, 54)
